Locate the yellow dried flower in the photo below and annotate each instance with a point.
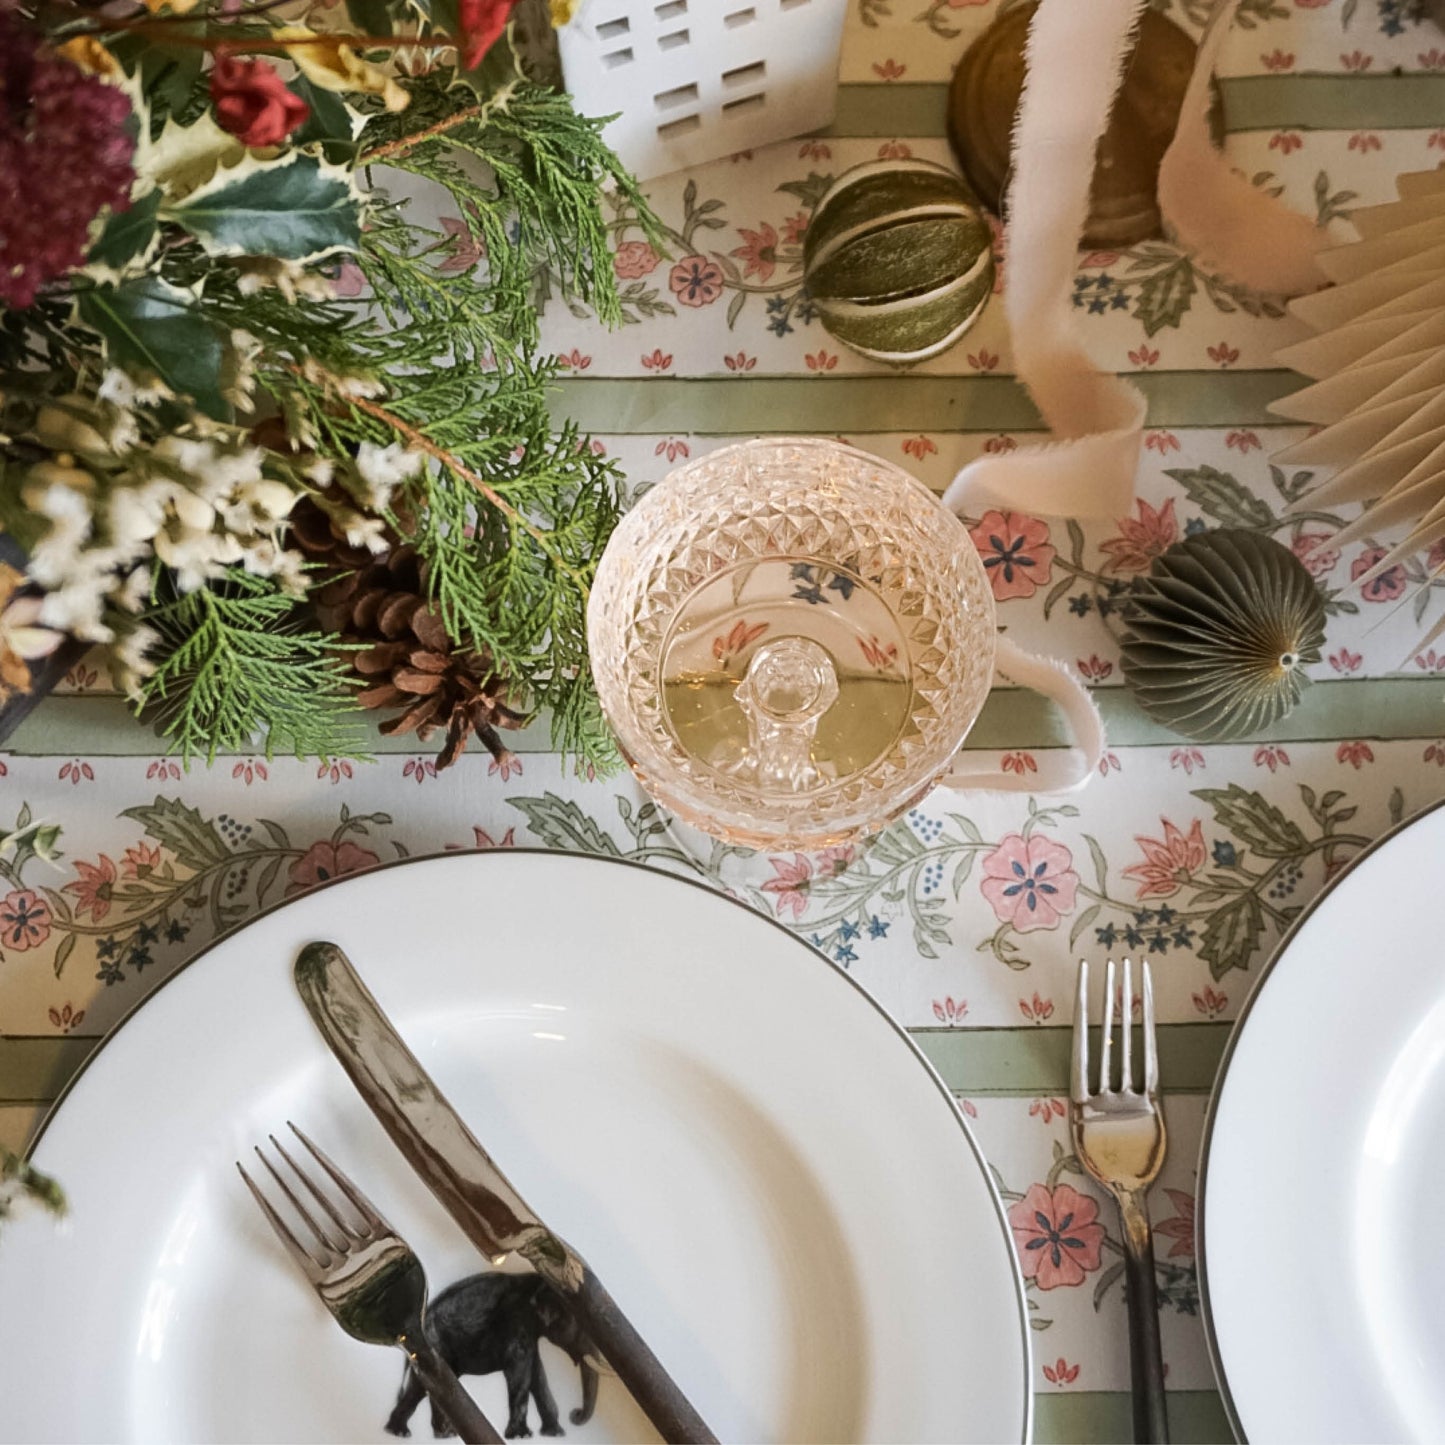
(329, 62)
(86, 52)
(563, 11)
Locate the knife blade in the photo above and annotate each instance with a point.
(467, 1182)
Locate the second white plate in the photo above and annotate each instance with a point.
(1324, 1272)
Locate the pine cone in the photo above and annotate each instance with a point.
(410, 662)
(315, 533)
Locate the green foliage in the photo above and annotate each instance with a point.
(216, 284)
(233, 661)
(130, 237)
(18, 1181)
(296, 209)
(156, 329)
(536, 206)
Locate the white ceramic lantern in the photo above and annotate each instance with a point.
(692, 80)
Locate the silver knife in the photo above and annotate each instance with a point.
(477, 1195)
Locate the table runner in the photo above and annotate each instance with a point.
(1195, 855)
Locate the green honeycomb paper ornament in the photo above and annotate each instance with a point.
(1220, 632)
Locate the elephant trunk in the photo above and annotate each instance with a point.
(589, 1393)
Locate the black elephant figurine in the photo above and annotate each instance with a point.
(491, 1322)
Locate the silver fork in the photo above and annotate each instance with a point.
(1118, 1134)
(369, 1278)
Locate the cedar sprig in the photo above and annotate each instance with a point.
(233, 661)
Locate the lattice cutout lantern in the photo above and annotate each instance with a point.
(693, 80)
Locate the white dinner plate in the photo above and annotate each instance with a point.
(1320, 1183)
(758, 1163)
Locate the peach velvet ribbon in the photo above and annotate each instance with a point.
(1076, 53)
(1075, 59)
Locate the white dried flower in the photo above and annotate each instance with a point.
(60, 427)
(320, 471)
(122, 389)
(351, 386)
(78, 607)
(384, 469)
(364, 531)
(256, 273)
(124, 432)
(130, 664)
(290, 574)
(194, 513)
(136, 514)
(133, 592)
(238, 370)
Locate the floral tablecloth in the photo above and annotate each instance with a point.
(1196, 856)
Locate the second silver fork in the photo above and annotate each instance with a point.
(1118, 1134)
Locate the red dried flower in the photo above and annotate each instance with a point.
(480, 23)
(253, 103)
(64, 156)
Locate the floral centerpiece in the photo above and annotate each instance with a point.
(272, 437)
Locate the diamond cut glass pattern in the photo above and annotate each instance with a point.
(699, 594)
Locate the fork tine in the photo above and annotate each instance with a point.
(309, 1264)
(1079, 1088)
(364, 1206)
(1106, 1030)
(348, 1231)
(1126, 1028)
(1151, 1053)
(322, 1238)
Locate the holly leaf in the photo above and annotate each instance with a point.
(152, 327)
(495, 73)
(372, 17)
(1256, 823)
(1232, 935)
(332, 123)
(1219, 495)
(128, 240)
(1165, 296)
(193, 840)
(183, 157)
(560, 823)
(298, 208)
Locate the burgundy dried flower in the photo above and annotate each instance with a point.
(253, 102)
(64, 155)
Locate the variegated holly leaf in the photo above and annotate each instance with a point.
(183, 157)
(332, 123)
(153, 328)
(298, 208)
(127, 242)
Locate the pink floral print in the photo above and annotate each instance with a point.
(1057, 1234)
(1030, 882)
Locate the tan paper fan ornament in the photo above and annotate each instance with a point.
(1377, 368)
